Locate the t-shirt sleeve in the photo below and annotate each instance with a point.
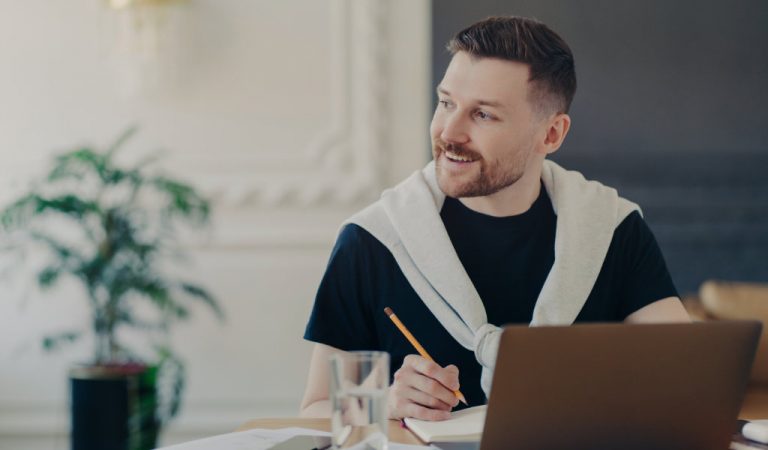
(646, 277)
(341, 316)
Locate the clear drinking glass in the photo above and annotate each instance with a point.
(359, 383)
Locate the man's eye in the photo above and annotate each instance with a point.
(445, 103)
(482, 115)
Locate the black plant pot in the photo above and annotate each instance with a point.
(113, 407)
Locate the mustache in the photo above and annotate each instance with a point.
(457, 149)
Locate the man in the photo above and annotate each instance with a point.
(488, 234)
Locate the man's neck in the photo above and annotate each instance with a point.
(510, 201)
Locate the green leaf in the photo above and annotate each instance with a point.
(48, 276)
(121, 232)
(202, 294)
(122, 139)
(55, 341)
(65, 254)
(183, 200)
(69, 204)
(79, 163)
(160, 295)
(125, 317)
(17, 214)
(171, 383)
(147, 160)
(76, 165)
(33, 205)
(90, 270)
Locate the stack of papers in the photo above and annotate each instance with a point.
(260, 439)
(256, 439)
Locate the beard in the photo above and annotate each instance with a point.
(487, 178)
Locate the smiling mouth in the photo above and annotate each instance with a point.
(457, 158)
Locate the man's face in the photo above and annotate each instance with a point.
(483, 130)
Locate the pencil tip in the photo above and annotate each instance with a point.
(461, 398)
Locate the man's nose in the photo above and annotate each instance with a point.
(454, 129)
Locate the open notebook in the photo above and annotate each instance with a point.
(463, 426)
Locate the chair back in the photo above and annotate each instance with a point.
(741, 301)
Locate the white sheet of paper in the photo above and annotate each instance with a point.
(757, 430)
(260, 439)
(257, 439)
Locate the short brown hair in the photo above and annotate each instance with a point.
(552, 72)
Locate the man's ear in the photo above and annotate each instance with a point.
(556, 129)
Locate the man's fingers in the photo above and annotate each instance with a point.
(424, 366)
(434, 388)
(430, 392)
(420, 412)
(448, 376)
(422, 389)
(423, 399)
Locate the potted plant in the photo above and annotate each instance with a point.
(110, 226)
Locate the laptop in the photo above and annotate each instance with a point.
(618, 386)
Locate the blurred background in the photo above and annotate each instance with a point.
(290, 115)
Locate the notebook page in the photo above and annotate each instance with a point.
(466, 424)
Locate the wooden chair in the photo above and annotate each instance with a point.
(737, 301)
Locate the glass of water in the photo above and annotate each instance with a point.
(359, 383)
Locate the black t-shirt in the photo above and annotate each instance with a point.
(507, 259)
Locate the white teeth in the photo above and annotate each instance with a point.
(455, 157)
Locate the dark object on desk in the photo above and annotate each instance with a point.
(304, 442)
(457, 445)
(611, 386)
(113, 407)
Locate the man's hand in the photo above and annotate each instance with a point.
(423, 390)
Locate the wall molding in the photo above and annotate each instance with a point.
(343, 164)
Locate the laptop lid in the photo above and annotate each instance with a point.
(619, 386)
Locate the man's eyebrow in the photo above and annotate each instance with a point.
(495, 104)
(490, 103)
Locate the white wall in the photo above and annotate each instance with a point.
(290, 114)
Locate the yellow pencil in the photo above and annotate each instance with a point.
(416, 345)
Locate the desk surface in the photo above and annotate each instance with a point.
(755, 404)
(396, 432)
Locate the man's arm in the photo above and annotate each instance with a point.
(316, 401)
(669, 309)
(339, 317)
(647, 292)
